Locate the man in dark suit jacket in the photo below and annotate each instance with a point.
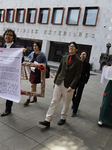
(10, 39)
(80, 86)
(65, 82)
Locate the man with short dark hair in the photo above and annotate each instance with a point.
(65, 82)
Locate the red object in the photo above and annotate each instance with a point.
(69, 60)
(22, 92)
(105, 94)
(41, 68)
(111, 104)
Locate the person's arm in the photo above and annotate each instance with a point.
(30, 57)
(69, 89)
(44, 60)
(24, 50)
(22, 58)
(88, 73)
(59, 69)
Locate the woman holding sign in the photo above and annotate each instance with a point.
(10, 40)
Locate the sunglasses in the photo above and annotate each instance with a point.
(8, 34)
(83, 55)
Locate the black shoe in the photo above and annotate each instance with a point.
(26, 103)
(5, 113)
(33, 100)
(72, 107)
(61, 122)
(73, 115)
(45, 123)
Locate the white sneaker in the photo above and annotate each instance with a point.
(100, 123)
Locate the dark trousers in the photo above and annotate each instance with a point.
(77, 97)
(8, 105)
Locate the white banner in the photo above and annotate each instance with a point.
(10, 73)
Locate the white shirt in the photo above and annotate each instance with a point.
(9, 44)
(106, 74)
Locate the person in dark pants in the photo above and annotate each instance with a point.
(10, 39)
(80, 86)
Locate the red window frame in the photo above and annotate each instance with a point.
(28, 15)
(12, 16)
(61, 18)
(3, 14)
(17, 15)
(68, 15)
(84, 19)
(40, 15)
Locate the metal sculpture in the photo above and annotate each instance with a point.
(105, 58)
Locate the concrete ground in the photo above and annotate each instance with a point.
(21, 130)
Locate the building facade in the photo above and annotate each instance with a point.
(56, 23)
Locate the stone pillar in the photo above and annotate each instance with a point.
(45, 47)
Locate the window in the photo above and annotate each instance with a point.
(73, 16)
(20, 14)
(2, 15)
(91, 16)
(10, 15)
(57, 17)
(31, 15)
(44, 15)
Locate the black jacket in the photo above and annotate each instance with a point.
(17, 46)
(85, 73)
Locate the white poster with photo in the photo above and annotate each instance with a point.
(10, 73)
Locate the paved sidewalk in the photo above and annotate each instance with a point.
(21, 130)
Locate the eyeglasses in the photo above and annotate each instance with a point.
(83, 54)
(8, 34)
(71, 46)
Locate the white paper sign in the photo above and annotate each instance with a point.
(106, 74)
(10, 73)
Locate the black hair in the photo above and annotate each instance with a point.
(38, 44)
(14, 35)
(75, 44)
(85, 52)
